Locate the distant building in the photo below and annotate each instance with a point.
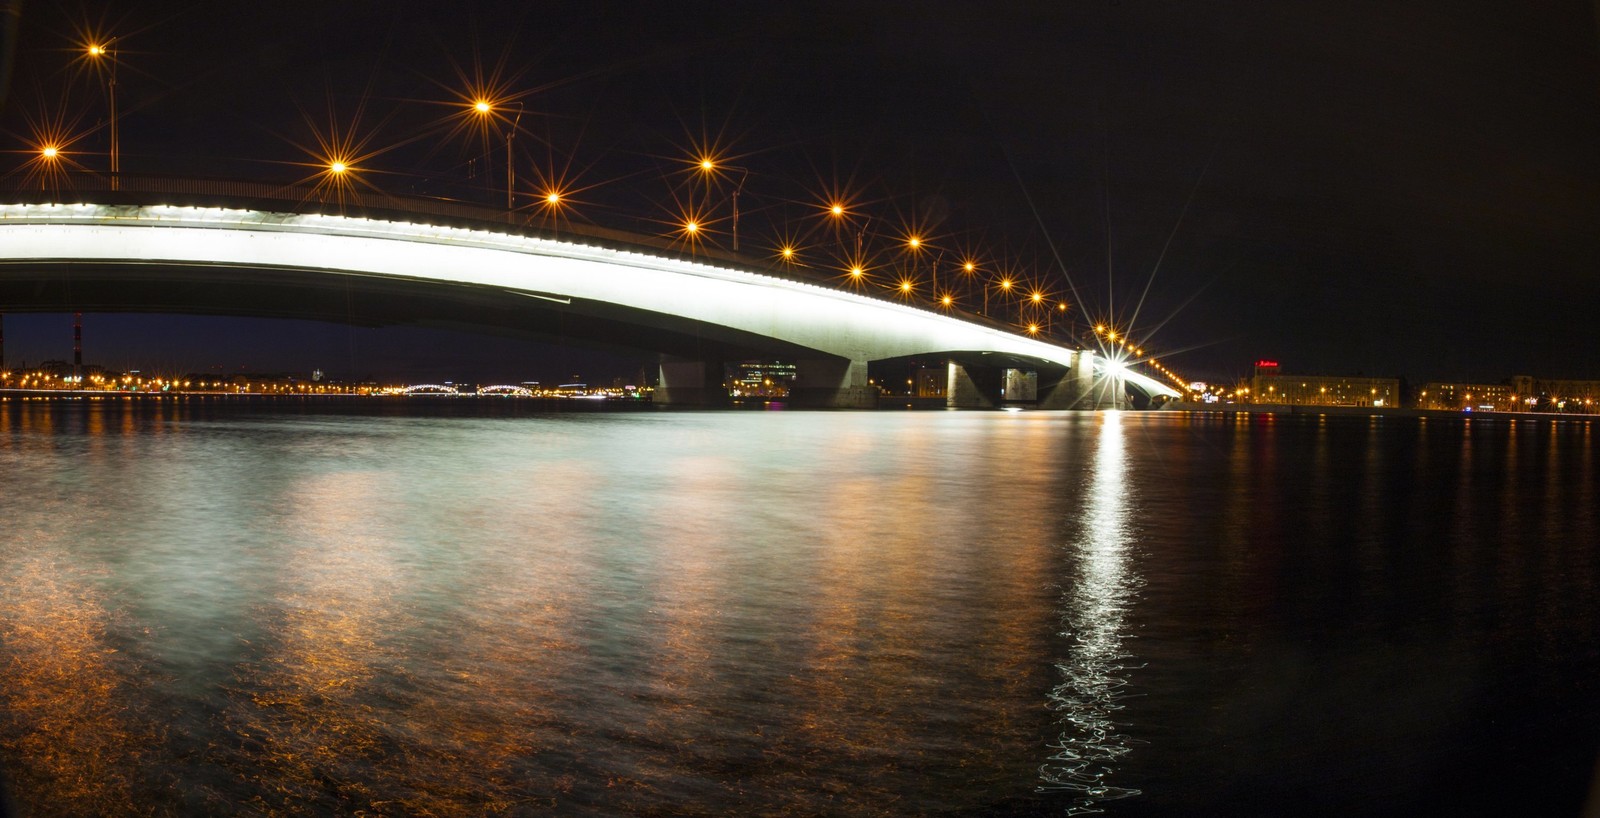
(1543, 394)
(770, 379)
(1271, 385)
(1457, 396)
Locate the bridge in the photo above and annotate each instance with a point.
(187, 246)
(430, 389)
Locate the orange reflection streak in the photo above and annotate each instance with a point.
(65, 732)
(845, 697)
(306, 728)
(865, 692)
(489, 699)
(684, 628)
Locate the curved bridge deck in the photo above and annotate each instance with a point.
(124, 250)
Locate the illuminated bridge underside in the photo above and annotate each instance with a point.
(220, 261)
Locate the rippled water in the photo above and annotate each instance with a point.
(311, 609)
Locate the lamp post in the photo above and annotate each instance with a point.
(743, 174)
(914, 247)
(709, 166)
(103, 51)
(485, 108)
(50, 166)
(969, 269)
(1005, 285)
(511, 174)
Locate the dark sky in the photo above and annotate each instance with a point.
(1364, 187)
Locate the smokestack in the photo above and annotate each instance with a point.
(77, 345)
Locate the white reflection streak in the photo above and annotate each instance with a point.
(1093, 672)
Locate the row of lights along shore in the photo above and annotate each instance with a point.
(969, 283)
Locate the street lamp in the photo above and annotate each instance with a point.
(511, 174)
(1005, 286)
(709, 166)
(485, 109)
(914, 246)
(98, 51)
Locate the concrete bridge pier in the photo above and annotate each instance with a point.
(1060, 390)
(832, 383)
(976, 387)
(690, 383)
(1102, 390)
(1081, 387)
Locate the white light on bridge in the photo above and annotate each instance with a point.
(832, 320)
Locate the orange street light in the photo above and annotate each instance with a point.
(103, 51)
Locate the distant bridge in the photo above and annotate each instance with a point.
(134, 250)
(507, 390)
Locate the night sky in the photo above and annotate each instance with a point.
(1349, 187)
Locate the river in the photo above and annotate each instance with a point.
(338, 607)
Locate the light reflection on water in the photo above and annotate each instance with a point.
(210, 610)
(730, 613)
(64, 689)
(1094, 674)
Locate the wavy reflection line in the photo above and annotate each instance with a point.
(307, 729)
(66, 730)
(1094, 672)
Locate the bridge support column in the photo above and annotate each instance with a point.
(691, 383)
(1076, 388)
(1102, 390)
(972, 387)
(832, 383)
(1062, 391)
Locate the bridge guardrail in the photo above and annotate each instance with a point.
(297, 197)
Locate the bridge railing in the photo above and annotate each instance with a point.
(147, 188)
(164, 189)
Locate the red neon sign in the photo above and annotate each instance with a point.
(1265, 362)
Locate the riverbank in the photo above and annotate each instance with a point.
(1367, 411)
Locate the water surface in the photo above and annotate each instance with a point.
(299, 609)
